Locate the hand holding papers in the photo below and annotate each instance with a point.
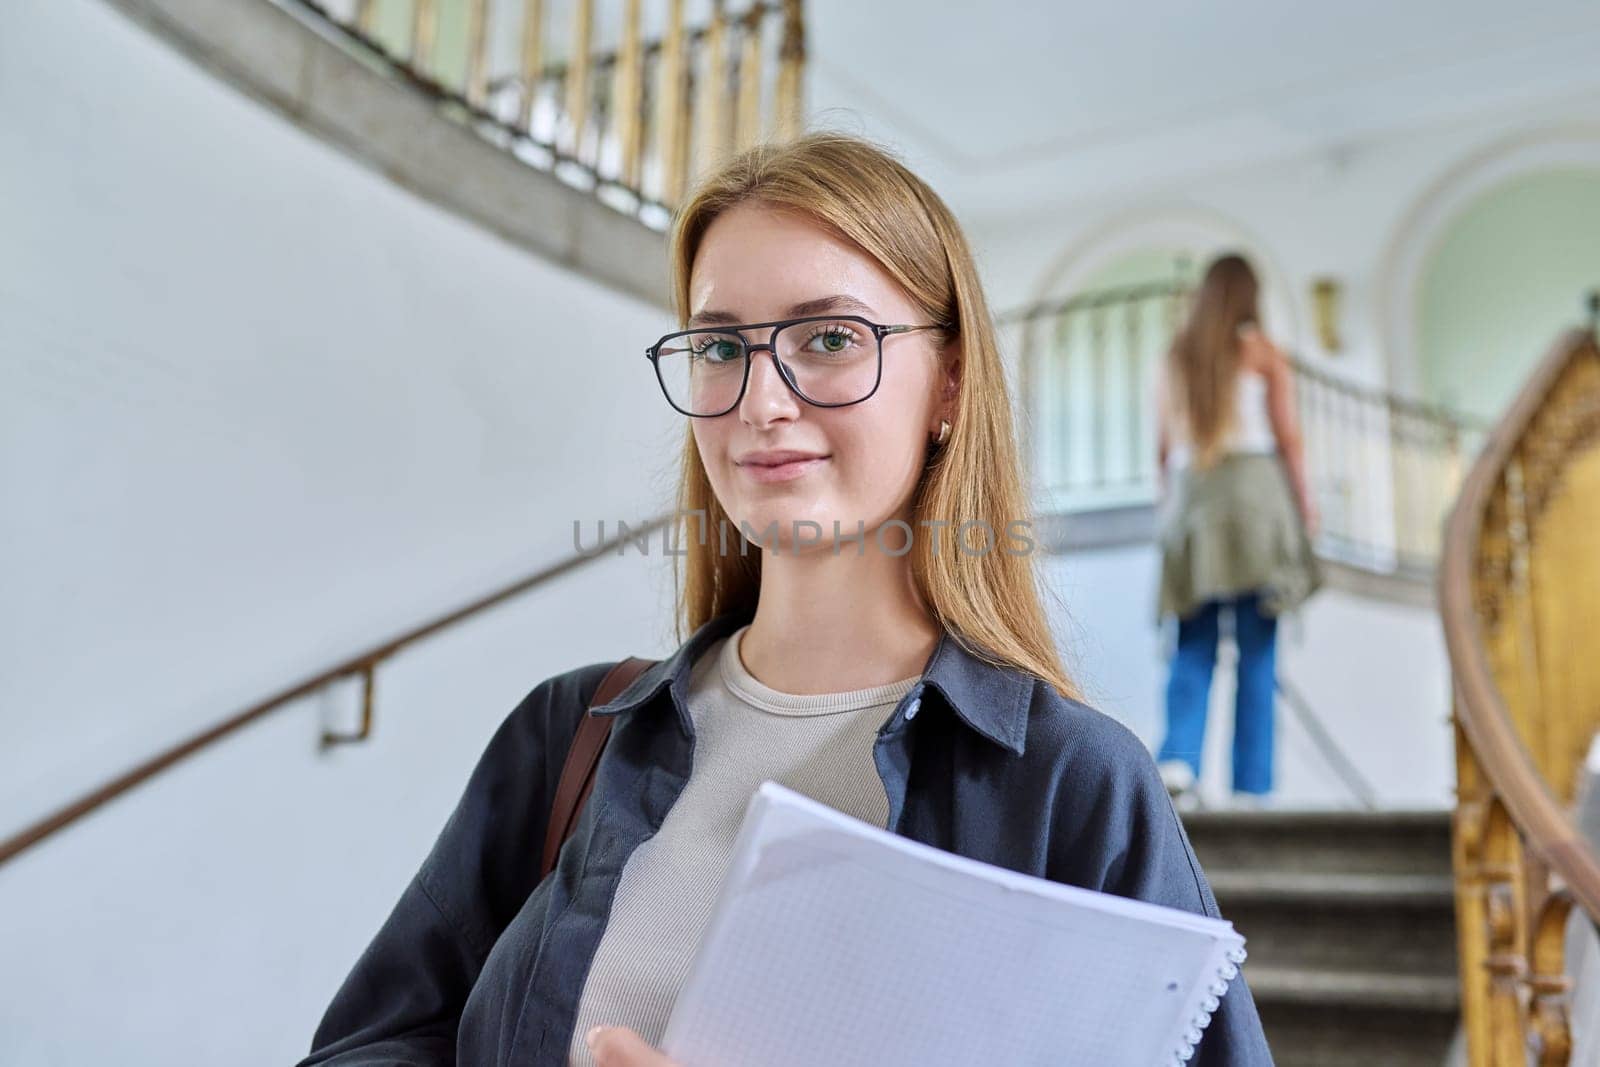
(837, 942)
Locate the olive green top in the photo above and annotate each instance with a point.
(1233, 528)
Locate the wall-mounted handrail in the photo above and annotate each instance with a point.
(361, 665)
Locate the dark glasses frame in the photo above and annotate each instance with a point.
(878, 330)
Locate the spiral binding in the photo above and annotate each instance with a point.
(1208, 1007)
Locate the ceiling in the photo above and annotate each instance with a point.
(1030, 103)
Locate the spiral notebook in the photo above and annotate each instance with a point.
(835, 941)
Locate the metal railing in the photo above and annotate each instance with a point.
(1332, 752)
(363, 666)
(634, 119)
(1383, 469)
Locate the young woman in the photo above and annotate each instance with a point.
(837, 367)
(1236, 528)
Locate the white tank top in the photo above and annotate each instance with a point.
(1252, 427)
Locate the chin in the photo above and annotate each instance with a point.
(758, 519)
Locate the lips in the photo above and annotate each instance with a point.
(769, 468)
(776, 458)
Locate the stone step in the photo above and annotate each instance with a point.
(1391, 924)
(1334, 1019)
(1311, 888)
(1368, 990)
(1328, 842)
(1349, 919)
(1308, 1035)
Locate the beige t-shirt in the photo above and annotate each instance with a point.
(745, 733)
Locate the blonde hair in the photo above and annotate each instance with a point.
(989, 599)
(1205, 356)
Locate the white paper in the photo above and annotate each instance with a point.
(836, 942)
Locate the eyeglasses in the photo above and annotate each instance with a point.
(831, 361)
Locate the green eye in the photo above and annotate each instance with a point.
(831, 340)
(717, 350)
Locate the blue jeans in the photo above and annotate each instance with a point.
(1189, 690)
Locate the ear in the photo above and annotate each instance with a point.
(950, 373)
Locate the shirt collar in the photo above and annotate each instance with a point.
(990, 698)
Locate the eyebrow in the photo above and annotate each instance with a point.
(820, 305)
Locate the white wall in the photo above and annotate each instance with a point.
(262, 409)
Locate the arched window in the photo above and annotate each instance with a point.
(1504, 276)
(1509, 221)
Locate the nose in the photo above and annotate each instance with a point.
(767, 395)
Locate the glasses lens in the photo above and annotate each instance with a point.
(702, 371)
(832, 361)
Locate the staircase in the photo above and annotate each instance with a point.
(1350, 923)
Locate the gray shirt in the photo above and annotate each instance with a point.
(746, 733)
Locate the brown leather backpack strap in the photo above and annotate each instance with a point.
(577, 773)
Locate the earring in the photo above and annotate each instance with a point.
(944, 432)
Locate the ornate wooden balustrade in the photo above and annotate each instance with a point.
(1519, 589)
(632, 106)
